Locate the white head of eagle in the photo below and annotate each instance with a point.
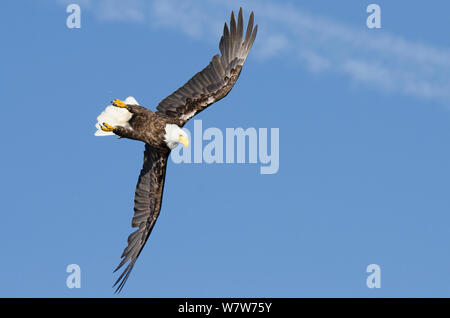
(175, 135)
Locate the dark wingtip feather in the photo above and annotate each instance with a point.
(252, 39)
(232, 26)
(226, 42)
(240, 25)
(226, 32)
(249, 27)
(123, 278)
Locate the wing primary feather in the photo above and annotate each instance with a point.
(123, 278)
(252, 39)
(226, 38)
(248, 33)
(233, 34)
(240, 26)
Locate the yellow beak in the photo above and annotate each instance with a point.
(184, 141)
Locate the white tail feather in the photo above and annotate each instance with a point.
(114, 116)
(131, 101)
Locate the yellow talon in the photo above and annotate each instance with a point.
(119, 103)
(107, 127)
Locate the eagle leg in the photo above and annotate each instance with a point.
(107, 127)
(119, 103)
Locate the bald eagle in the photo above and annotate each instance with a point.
(161, 130)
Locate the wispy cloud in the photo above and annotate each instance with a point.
(374, 58)
(118, 10)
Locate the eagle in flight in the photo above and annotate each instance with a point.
(161, 130)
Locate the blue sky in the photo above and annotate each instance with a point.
(364, 169)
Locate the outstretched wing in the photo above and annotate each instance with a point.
(217, 79)
(147, 204)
